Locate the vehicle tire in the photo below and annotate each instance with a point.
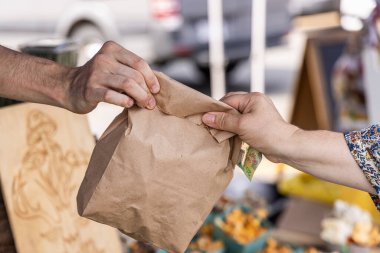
(89, 38)
(86, 33)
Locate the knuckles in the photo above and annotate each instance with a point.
(127, 84)
(96, 70)
(242, 122)
(139, 64)
(100, 59)
(221, 120)
(258, 97)
(137, 76)
(107, 95)
(109, 46)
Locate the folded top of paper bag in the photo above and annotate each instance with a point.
(179, 100)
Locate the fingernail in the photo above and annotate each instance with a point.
(209, 118)
(130, 103)
(156, 88)
(152, 103)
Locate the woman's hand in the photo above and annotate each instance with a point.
(323, 154)
(260, 125)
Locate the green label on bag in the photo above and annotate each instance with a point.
(249, 160)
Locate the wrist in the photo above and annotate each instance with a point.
(48, 85)
(52, 83)
(66, 96)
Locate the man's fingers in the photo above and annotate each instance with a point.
(132, 60)
(130, 73)
(123, 70)
(221, 120)
(130, 87)
(116, 98)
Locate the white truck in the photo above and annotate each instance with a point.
(139, 25)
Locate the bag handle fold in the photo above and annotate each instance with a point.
(181, 101)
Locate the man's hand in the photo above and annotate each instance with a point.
(260, 125)
(114, 75)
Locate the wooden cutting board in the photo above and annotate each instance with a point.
(44, 152)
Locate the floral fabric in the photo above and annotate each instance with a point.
(364, 146)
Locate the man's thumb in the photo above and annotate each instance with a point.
(221, 120)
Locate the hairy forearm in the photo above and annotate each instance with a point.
(325, 154)
(32, 79)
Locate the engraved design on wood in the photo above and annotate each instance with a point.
(45, 185)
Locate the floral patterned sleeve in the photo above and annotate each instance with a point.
(364, 146)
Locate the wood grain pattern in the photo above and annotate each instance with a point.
(43, 158)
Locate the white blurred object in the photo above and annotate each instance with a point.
(238, 185)
(371, 62)
(354, 11)
(338, 228)
(167, 13)
(88, 51)
(101, 117)
(91, 49)
(351, 214)
(215, 20)
(351, 23)
(335, 231)
(257, 56)
(360, 9)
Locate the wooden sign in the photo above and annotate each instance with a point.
(44, 153)
(314, 106)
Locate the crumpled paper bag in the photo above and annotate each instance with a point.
(156, 174)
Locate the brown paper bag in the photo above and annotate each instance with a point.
(156, 174)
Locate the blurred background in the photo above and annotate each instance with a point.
(172, 35)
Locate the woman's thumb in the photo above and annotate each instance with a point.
(222, 121)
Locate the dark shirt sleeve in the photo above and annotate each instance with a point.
(364, 146)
